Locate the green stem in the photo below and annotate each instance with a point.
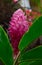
(16, 60)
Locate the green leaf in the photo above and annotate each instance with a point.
(37, 63)
(26, 63)
(34, 32)
(34, 54)
(32, 63)
(5, 48)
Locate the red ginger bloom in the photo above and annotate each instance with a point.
(18, 26)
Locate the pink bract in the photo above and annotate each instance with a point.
(17, 27)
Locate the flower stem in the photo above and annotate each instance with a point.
(16, 60)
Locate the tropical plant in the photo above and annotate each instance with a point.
(29, 57)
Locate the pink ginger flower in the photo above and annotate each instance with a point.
(15, 1)
(18, 26)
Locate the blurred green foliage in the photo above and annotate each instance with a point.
(36, 5)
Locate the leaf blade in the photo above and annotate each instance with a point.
(34, 32)
(5, 48)
(34, 54)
